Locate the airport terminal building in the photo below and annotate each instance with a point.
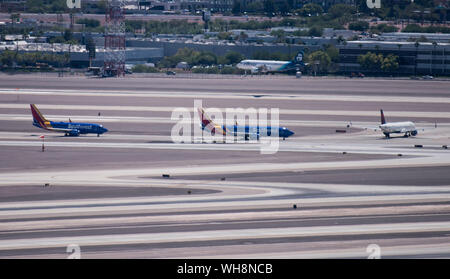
(79, 56)
(80, 59)
(424, 58)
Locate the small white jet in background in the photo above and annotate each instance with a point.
(273, 66)
(408, 128)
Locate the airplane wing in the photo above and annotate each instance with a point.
(72, 132)
(59, 129)
(373, 128)
(252, 133)
(377, 128)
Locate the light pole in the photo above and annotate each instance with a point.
(316, 66)
(43, 147)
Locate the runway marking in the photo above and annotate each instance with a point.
(229, 95)
(299, 251)
(97, 108)
(439, 155)
(267, 198)
(225, 218)
(167, 120)
(215, 235)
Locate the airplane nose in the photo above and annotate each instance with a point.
(105, 130)
(285, 133)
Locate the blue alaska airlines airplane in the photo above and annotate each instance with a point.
(247, 132)
(68, 128)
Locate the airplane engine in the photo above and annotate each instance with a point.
(414, 133)
(74, 133)
(251, 137)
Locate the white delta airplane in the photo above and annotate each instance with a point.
(408, 128)
(272, 66)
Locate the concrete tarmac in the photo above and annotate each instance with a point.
(255, 85)
(323, 194)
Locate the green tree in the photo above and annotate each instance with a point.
(68, 35)
(341, 10)
(269, 7)
(358, 26)
(310, 9)
(319, 60)
(370, 61)
(89, 23)
(134, 25)
(383, 28)
(231, 57)
(242, 36)
(58, 6)
(265, 55)
(224, 36)
(236, 9)
(140, 68)
(283, 7)
(192, 57)
(35, 6)
(280, 35)
(91, 48)
(255, 7)
(15, 17)
(7, 57)
(206, 58)
(413, 28)
(315, 31)
(46, 6)
(390, 63)
(332, 52)
(341, 40)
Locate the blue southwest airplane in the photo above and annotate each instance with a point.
(247, 132)
(68, 128)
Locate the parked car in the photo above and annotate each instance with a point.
(358, 75)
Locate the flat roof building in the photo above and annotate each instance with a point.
(79, 56)
(414, 58)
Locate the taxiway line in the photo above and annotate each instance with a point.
(215, 235)
(424, 114)
(226, 95)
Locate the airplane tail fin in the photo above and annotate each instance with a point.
(208, 124)
(298, 59)
(38, 118)
(383, 120)
(204, 119)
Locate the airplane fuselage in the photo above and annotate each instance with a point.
(74, 128)
(263, 65)
(272, 66)
(408, 128)
(254, 132)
